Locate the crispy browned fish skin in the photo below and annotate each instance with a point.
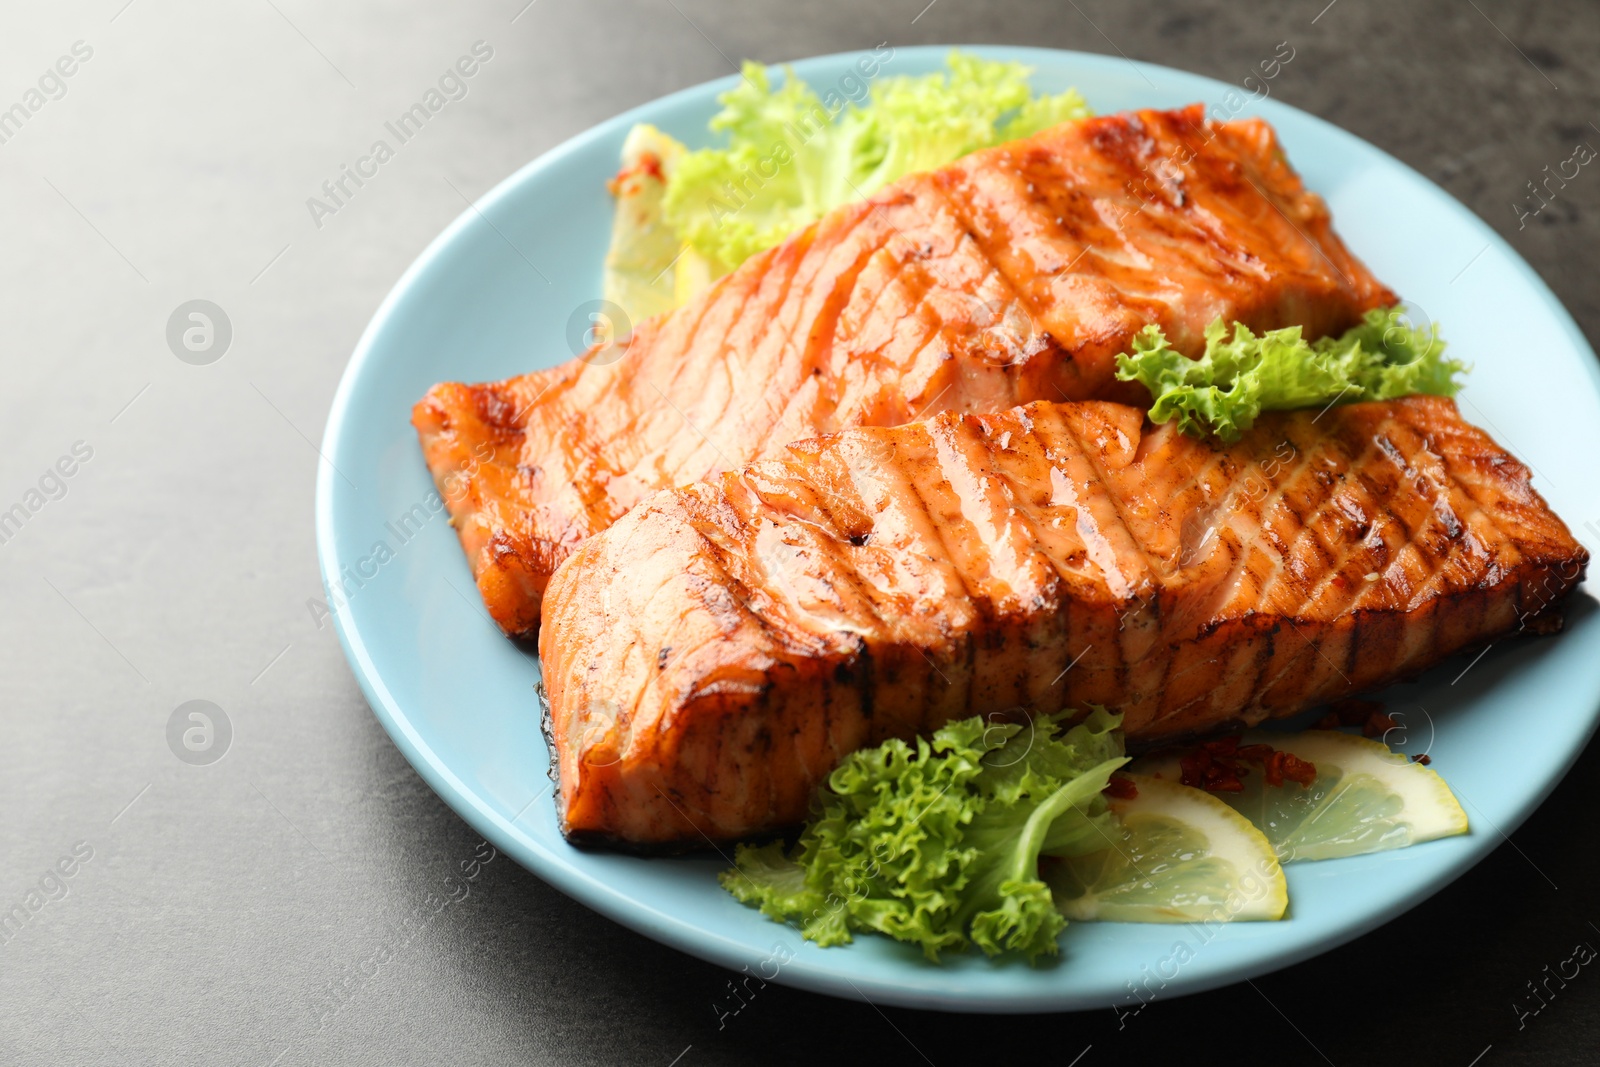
(1014, 275)
(711, 656)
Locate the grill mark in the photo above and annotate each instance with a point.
(1013, 287)
(611, 433)
(1205, 475)
(804, 267)
(825, 694)
(842, 282)
(845, 709)
(937, 434)
(1143, 582)
(1352, 592)
(1504, 542)
(1207, 252)
(867, 682)
(952, 336)
(1288, 663)
(696, 464)
(1333, 566)
(1218, 467)
(743, 595)
(1408, 453)
(935, 339)
(1408, 480)
(1264, 657)
(1307, 525)
(920, 438)
(705, 338)
(922, 281)
(1213, 170)
(1284, 574)
(1452, 510)
(932, 434)
(843, 568)
(909, 285)
(969, 640)
(1147, 566)
(1052, 589)
(1177, 578)
(901, 263)
(823, 334)
(1361, 472)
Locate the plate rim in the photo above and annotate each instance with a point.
(696, 939)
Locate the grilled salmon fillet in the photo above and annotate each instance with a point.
(711, 656)
(1014, 275)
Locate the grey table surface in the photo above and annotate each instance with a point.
(222, 909)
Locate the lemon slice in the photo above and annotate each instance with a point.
(641, 261)
(1181, 855)
(1365, 798)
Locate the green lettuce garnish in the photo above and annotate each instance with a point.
(1223, 391)
(939, 844)
(789, 159)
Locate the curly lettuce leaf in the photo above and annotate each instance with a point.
(1239, 377)
(790, 158)
(938, 843)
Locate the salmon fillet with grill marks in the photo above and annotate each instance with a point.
(711, 656)
(1014, 275)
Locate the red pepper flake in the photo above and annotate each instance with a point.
(1120, 788)
(1422, 758)
(1214, 766)
(1219, 766)
(1286, 766)
(649, 163)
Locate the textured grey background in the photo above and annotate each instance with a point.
(223, 904)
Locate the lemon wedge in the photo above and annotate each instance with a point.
(640, 275)
(1365, 798)
(1179, 855)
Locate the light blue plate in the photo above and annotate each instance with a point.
(458, 698)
